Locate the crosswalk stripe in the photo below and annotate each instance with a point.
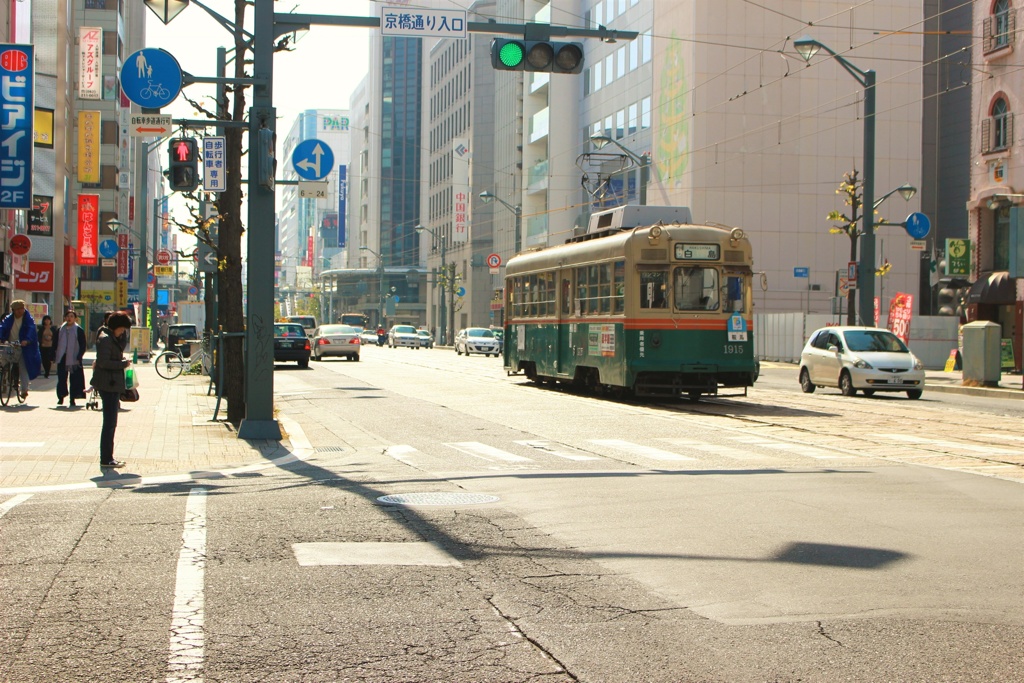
(714, 449)
(945, 443)
(806, 451)
(9, 505)
(643, 451)
(545, 448)
(485, 452)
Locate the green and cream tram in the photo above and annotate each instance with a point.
(645, 303)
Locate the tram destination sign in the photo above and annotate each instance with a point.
(697, 252)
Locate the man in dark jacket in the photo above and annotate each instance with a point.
(108, 378)
(19, 328)
(70, 349)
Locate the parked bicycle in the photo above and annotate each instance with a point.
(10, 361)
(172, 362)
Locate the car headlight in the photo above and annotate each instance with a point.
(861, 364)
(918, 365)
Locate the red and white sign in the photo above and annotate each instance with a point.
(493, 260)
(88, 229)
(90, 63)
(20, 245)
(39, 277)
(901, 310)
(163, 257)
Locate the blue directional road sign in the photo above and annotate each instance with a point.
(918, 225)
(312, 159)
(151, 78)
(108, 248)
(801, 272)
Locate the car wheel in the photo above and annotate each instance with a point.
(304, 363)
(869, 392)
(805, 382)
(355, 358)
(846, 384)
(914, 394)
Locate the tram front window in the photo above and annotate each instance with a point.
(696, 289)
(652, 289)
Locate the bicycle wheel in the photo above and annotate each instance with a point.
(16, 383)
(5, 390)
(169, 365)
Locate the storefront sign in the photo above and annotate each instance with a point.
(89, 147)
(39, 277)
(901, 310)
(958, 257)
(17, 88)
(88, 228)
(90, 63)
(40, 218)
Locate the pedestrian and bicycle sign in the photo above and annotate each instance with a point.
(312, 159)
(151, 78)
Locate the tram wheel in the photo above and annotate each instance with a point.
(694, 396)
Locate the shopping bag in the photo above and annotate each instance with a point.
(131, 379)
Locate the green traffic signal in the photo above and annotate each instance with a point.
(511, 54)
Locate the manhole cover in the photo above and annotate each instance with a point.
(437, 499)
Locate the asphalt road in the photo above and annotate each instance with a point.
(773, 537)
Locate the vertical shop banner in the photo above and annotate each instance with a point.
(88, 228)
(123, 252)
(460, 190)
(40, 218)
(901, 310)
(89, 147)
(17, 118)
(38, 277)
(165, 223)
(342, 200)
(90, 63)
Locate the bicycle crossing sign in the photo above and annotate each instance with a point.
(151, 78)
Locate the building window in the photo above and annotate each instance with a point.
(998, 29)
(997, 129)
(1001, 240)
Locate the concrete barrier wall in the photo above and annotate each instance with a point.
(780, 337)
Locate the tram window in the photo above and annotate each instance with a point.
(696, 289)
(652, 289)
(735, 293)
(594, 289)
(566, 295)
(531, 295)
(619, 287)
(581, 291)
(605, 291)
(546, 294)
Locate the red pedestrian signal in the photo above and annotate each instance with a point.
(183, 154)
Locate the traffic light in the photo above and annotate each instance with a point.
(266, 159)
(513, 54)
(184, 171)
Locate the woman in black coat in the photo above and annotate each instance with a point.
(108, 379)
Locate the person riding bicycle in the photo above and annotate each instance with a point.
(19, 328)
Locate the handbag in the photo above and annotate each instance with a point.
(130, 396)
(131, 379)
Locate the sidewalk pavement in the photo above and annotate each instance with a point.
(170, 434)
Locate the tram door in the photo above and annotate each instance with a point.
(564, 337)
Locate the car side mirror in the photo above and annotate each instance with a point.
(833, 348)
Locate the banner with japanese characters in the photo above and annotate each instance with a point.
(901, 310)
(88, 229)
(89, 147)
(460, 190)
(90, 63)
(40, 218)
(17, 103)
(38, 278)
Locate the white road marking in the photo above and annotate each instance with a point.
(543, 447)
(805, 451)
(643, 451)
(714, 449)
(1008, 437)
(944, 443)
(9, 505)
(412, 553)
(187, 618)
(485, 452)
(22, 444)
(401, 449)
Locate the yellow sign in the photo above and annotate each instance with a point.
(89, 147)
(98, 296)
(122, 293)
(950, 362)
(163, 271)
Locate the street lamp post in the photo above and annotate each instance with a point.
(517, 209)
(808, 47)
(444, 265)
(380, 281)
(143, 267)
(642, 160)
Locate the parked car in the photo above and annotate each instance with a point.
(178, 333)
(308, 323)
(291, 344)
(426, 339)
(864, 359)
(403, 335)
(336, 340)
(477, 340)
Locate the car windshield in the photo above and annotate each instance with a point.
(479, 333)
(405, 329)
(289, 331)
(305, 321)
(338, 329)
(423, 333)
(184, 331)
(874, 340)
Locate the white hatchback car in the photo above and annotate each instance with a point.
(477, 340)
(868, 359)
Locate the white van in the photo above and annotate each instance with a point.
(308, 323)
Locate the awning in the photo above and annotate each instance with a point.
(995, 288)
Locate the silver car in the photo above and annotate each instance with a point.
(867, 359)
(477, 340)
(336, 340)
(403, 335)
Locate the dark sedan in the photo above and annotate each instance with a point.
(291, 344)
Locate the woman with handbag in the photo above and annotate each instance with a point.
(108, 379)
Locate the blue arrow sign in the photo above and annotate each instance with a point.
(151, 78)
(312, 159)
(918, 225)
(108, 248)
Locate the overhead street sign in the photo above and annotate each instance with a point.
(163, 271)
(149, 125)
(215, 177)
(151, 78)
(312, 159)
(423, 23)
(207, 258)
(918, 225)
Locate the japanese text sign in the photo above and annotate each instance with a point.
(90, 63)
(88, 228)
(901, 310)
(89, 147)
(423, 23)
(39, 277)
(17, 103)
(215, 177)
